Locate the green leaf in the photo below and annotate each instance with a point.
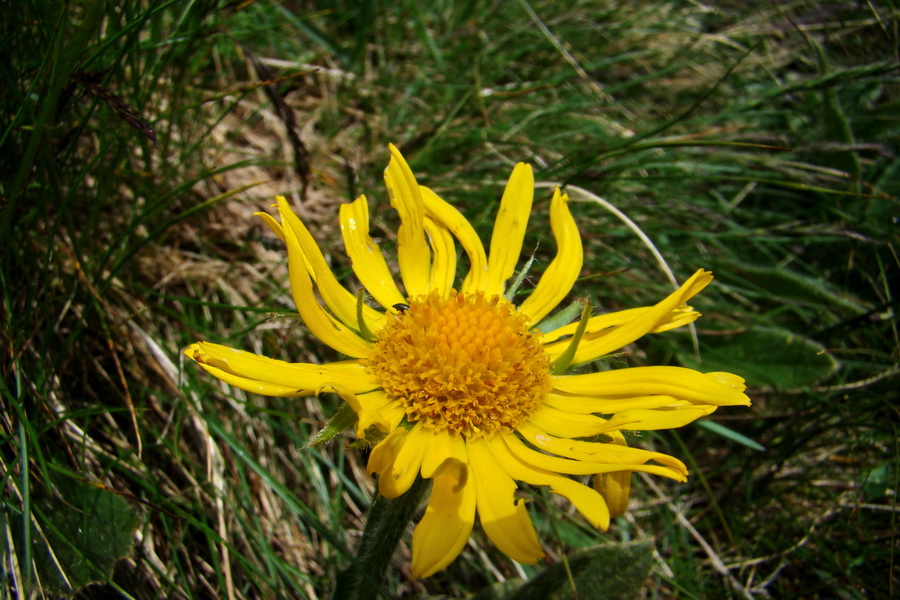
(764, 356)
(610, 571)
(877, 482)
(835, 123)
(730, 434)
(78, 532)
(786, 285)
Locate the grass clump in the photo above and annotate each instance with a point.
(758, 140)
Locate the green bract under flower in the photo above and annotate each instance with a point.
(459, 381)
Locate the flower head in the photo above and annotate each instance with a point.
(459, 382)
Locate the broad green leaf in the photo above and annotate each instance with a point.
(878, 481)
(79, 531)
(764, 356)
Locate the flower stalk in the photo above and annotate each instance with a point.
(387, 523)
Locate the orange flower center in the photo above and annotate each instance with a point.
(464, 363)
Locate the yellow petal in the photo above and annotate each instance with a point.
(373, 400)
(503, 518)
(557, 280)
(681, 383)
(398, 478)
(556, 464)
(601, 452)
(382, 456)
(509, 228)
(365, 255)
(593, 347)
(274, 225)
(412, 252)
(385, 417)
(650, 420)
(358, 402)
(459, 226)
(442, 533)
(681, 315)
(607, 406)
(325, 327)
(615, 487)
(588, 502)
(731, 380)
(256, 387)
(443, 269)
(566, 424)
(336, 297)
(442, 447)
(252, 372)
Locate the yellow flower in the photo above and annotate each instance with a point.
(460, 382)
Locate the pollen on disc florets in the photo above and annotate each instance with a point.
(462, 363)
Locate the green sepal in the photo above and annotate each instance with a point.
(343, 419)
(562, 317)
(513, 289)
(364, 330)
(563, 361)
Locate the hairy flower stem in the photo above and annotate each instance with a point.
(387, 523)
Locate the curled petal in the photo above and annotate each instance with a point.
(509, 228)
(503, 518)
(358, 402)
(270, 377)
(365, 255)
(588, 502)
(559, 277)
(443, 446)
(445, 214)
(601, 452)
(272, 224)
(604, 342)
(679, 316)
(556, 464)
(413, 253)
(383, 455)
(651, 420)
(615, 487)
(443, 269)
(336, 297)
(442, 533)
(678, 382)
(402, 472)
(384, 417)
(567, 424)
(607, 406)
(263, 388)
(320, 322)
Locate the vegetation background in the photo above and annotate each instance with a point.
(758, 139)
